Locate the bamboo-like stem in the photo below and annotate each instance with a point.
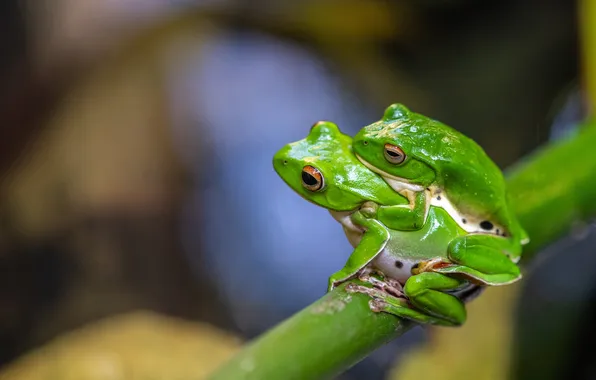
(319, 342)
(552, 191)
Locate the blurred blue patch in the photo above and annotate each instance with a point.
(569, 116)
(269, 251)
(264, 244)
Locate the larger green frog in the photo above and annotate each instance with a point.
(323, 170)
(433, 164)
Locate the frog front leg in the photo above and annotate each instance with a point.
(373, 241)
(484, 258)
(405, 217)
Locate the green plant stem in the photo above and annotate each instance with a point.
(552, 190)
(318, 342)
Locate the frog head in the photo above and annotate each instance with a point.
(411, 150)
(322, 169)
(400, 146)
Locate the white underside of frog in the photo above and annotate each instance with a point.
(438, 198)
(385, 260)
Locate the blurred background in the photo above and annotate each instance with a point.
(143, 231)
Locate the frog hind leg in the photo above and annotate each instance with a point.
(426, 291)
(484, 258)
(387, 303)
(373, 242)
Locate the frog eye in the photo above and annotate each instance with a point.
(394, 154)
(312, 179)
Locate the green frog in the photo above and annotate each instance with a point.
(323, 169)
(432, 164)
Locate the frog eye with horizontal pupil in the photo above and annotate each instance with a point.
(312, 179)
(394, 154)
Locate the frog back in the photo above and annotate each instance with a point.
(475, 186)
(466, 177)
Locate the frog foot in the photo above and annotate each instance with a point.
(377, 305)
(379, 281)
(369, 209)
(382, 302)
(374, 292)
(430, 265)
(367, 272)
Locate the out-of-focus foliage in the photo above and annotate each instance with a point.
(140, 345)
(478, 350)
(587, 16)
(100, 188)
(132, 113)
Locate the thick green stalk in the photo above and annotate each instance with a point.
(319, 342)
(552, 191)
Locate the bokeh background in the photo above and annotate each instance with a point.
(144, 233)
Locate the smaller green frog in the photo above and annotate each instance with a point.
(323, 170)
(434, 165)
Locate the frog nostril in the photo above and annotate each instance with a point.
(285, 162)
(365, 142)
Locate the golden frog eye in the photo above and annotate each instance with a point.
(312, 179)
(394, 154)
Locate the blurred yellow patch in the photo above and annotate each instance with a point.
(140, 345)
(479, 350)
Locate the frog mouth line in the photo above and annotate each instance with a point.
(402, 181)
(311, 201)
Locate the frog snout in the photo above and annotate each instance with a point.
(280, 160)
